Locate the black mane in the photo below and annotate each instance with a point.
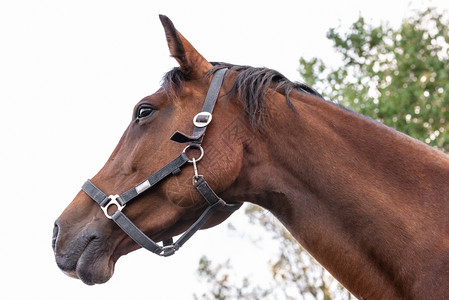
(251, 85)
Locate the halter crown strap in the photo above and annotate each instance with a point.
(203, 119)
(200, 121)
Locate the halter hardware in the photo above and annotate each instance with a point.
(168, 250)
(196, 176)
(194, 146)
(201, 120)
(113, 200)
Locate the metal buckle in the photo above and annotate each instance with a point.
(202, 119)
(113, 201)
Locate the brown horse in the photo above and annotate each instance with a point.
(369, 203)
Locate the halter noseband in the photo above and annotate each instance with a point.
(201, 120)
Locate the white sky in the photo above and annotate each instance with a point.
(70, 74)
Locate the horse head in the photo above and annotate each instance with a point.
(85, 241)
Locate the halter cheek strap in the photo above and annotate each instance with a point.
(201, 120)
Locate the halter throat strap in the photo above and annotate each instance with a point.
(215, 203)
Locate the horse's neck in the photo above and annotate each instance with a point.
(364, 199)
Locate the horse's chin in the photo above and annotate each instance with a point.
(92, 273)
(92, 265)
(94, 270)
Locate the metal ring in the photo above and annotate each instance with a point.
(197, 147)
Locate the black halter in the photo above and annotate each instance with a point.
(201, 120)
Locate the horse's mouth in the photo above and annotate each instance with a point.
(89, 259)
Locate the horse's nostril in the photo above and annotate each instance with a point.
(55, 236)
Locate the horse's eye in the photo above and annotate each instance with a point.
(144, 112)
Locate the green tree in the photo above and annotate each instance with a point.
(399, 77)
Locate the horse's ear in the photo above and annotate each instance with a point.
(191, 62)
